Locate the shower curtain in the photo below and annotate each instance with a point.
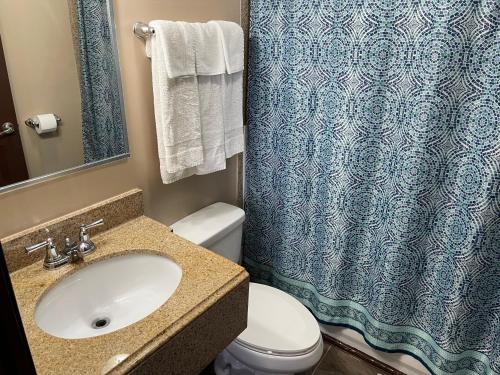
(373, 170)
(103, 129)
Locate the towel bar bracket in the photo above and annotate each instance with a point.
(142, 30)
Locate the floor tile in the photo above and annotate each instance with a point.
(326, 347)
(334, 361)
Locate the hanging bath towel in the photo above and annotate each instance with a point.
(176, 100)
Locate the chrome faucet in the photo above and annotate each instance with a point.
(53, 259)
(86, 246)
(73, 251)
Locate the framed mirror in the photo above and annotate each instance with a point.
(61, 106)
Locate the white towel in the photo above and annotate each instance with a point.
(177, 47)
(211, 90)
(209, 53)
(231, 36)
(176, 101)
(233, 114)
(210, 68)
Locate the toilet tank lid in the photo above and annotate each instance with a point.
(209, 224)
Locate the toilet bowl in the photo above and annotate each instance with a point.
(282, 336)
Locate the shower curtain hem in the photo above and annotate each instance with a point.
(344, 321)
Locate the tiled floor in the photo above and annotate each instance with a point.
(334, 361)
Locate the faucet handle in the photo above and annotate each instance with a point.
(53, 259)
(86, 245)
(85, 227)
(94, 224)
(48, 243)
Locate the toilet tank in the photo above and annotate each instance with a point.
(218, 227)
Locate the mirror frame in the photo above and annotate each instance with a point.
(78, 168)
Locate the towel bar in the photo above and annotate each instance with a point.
(142, 30)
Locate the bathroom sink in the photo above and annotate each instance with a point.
(107, 295)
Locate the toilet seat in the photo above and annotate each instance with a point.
(282, 336)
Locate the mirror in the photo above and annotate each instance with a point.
(61, 106)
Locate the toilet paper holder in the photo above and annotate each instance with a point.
(33, 123)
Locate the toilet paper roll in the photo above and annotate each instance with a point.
(47, 123)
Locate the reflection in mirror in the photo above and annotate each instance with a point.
(61, 100)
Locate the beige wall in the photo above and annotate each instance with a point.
(40, 58)
(24, 207)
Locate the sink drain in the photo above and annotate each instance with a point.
(100, 323)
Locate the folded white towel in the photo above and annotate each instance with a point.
(211, 90)
(215, 113)
(177, 48)
(198, 108)
(176, 104)
(209, 53)
(233, 114)
(211, 105)
(231, 36)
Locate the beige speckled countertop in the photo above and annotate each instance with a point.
(206, 279)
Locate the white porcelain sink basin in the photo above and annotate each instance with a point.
(107, 295)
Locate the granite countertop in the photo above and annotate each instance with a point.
(206, 279)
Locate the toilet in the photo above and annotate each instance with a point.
(282, 336)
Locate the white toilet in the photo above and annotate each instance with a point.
(282, 336)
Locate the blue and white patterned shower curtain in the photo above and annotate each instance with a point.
(373, 170)
(103, 129)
